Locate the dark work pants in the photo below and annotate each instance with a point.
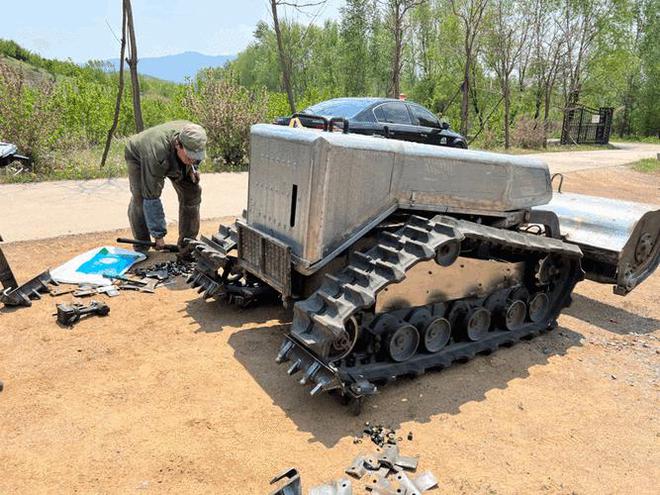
(190, 198)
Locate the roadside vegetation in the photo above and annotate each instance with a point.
(647, 165)
(499, 71)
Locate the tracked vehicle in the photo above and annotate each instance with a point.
(397, 258)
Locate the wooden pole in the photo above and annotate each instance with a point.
(120, 90)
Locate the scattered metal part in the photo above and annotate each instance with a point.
(340, 487)
(357, 469)
(292, 486)
(23, 295)
(379, 434)
(122, 278)
(166, 270)
(68, 314)
(419, 485)
(148, 286)
(7, 278)
(425, 481)
(62, 292)
(110, 290)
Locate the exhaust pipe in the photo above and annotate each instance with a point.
(620, 240)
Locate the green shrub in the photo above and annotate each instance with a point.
(226, 110)
(29, 115)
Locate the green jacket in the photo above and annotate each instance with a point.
(153, 149)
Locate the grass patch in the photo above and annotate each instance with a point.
(647, 165)
(553, 148)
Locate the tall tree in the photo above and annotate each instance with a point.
(285, 59)
(546, 44)
(580, 23)
(471, 14)
(355, 46)
(132, 61)
(507, 35)
(396, 12)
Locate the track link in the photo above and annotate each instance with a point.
(322, 318)
(212, 255)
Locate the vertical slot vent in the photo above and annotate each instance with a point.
(294, 202)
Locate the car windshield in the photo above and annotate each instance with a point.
(338, 108)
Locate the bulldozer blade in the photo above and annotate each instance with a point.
(620, 240)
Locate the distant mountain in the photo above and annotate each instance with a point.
(176, 68)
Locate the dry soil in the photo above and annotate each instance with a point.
(173, 394)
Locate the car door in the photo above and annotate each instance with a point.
(394, 120)
(430, 129)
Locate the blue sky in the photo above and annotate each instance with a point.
(77, 29)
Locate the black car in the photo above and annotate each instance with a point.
(385, 117)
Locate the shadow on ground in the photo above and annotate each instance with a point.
(256, 335)
(611, 318)
(406, 399)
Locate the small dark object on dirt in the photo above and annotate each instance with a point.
(410, 435)
(2, 386)
(379, 434)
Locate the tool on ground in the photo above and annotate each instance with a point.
(23, 295)
(68, 314)
(172, 248)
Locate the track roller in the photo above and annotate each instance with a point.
(538, 306)
(403, 342)
(436, 334)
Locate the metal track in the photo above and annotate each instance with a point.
(212, 255)
(322, 318)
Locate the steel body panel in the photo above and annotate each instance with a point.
(428, 283)
(344, 181)
(620, 239)
(599, 222)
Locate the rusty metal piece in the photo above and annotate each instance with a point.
(23, 295)
(68, 314)
(292, 486)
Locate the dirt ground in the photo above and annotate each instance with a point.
(172, 394)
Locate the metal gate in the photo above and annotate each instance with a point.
(586, 125)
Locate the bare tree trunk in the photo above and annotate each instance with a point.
(395, 70)
(465, 88)
(284, 65)
(506, 94)
(120, 90)
(132, 65)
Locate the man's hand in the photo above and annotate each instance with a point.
(160, 244)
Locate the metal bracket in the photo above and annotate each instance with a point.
(293, 484)
(23, 295)
(340, 487)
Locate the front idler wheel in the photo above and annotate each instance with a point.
(403, 342)
(436, 334)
